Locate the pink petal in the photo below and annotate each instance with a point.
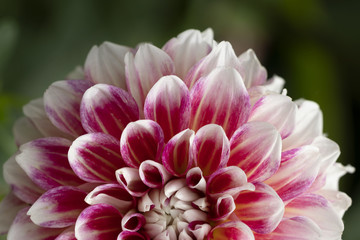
(199, 229)
(95, 157)
(261, 209)
(220, 98)
(153, 174)
(168, 103)
(196, 180)
(67, 234)
(210, 149)
(256, 148)
(144, 69)
(58, 208)
(177, 158)
(222, 208)
(298, 170)
(45, 161)
(25, 131)
(132, 221)
(130, 179)
(105, 64)
(107, 109)
(251, 70)
(97, 222)
(62, 104)
(141, 140)
(231, 231)
(127, 235)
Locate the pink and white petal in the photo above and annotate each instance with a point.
(132, 221)
(177, 157)
(21, 185)
(256, 148)
(10, 205)
(251, 70)
(233, 230)
(24, 131)
(113, 194)
(261, 209)
(222, 208)
(340, 201)
(196, 180)
(297, 171)
(67, 234)
(141, 140)
(153, 174)
(45, 161)
(108, 109)
(105, 64)
(62, 105)
(318, 209)
(220, 98)
(187, 49)
(210, 148)
(24, 228)
(334, 173)
(130, 179)
(100, 221)
(58, 208)
(127, 235)
(168, 104)
(199, 229)
(277, 109)
(95, 157)
(309, 125)
(275, 84)
(144, 69)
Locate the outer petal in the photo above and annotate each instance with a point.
(95, 157)
(58, 207)
(334, 173)
(105, 64)
(251, 70)
(196, 180)
(339, 200)
(168, 103)
(141, 140)
(153, 174)
(99, 221)
(24, 131)
(108, 109)
(67, 234)
(256, 148)
(231, 231)
(130, 179)
(210, 149)
(62, 104)
(45, 161)
(220, 98)
(261, 209)
(144, 69)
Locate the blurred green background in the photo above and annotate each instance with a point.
(313, 44)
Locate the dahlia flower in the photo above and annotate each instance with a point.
(187, 141)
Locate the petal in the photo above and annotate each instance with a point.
(130, 179)
(144, 69)
(24, 131)
(62, 104)
(210, 148)
(58, 208)
(340, 201)
(231, 231)
(108, 109)
(196, 180)
(153, 174)
(168, 103)
(95, 157)
(105, 64)
(76, 74)
(334, 173)
(256, 148)
(261, 209)
(141, 140)
(220, 98)
(199, 229)
(99, 221)
(223, 207)
(127, 235)
(45, 161)
(67, 234)
(132, 221)
(177, 158)
(251, 70)
(276, 109)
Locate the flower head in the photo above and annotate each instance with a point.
(185, 142)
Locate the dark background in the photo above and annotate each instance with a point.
(313, 44)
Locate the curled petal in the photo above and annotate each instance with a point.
(153, 174)
(173, 186)
(199, 229)
(107, 109)
(76, 73)
(62, 104)
(58, 208)
(132, 221)
(141, 140)
(251, 70)
(223, 207)
(95, 157)
(256, 148)
(261, 209)
(220, 98)
(130, 179)
(168, 103)
(196, 180)
(233, 230)
(127, 235)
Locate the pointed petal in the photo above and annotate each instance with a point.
(144, 69)
(251, 70)
(127, 235)
(334, 173)
(210, 149)
(141, 140)
(45, 161)
(132, 221)
(130, 179)
(24, 131)
(275, 84)
(100, 221)
(95, 157)
(153, 174)
(220, 98)
(261, 209)
(231, 231)
(256, 148)
(76, 74)
(105, 64)
(107, 109)
(62, 104)
(177, 158)
(196, 180)
(168, 103)
(340, 201)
